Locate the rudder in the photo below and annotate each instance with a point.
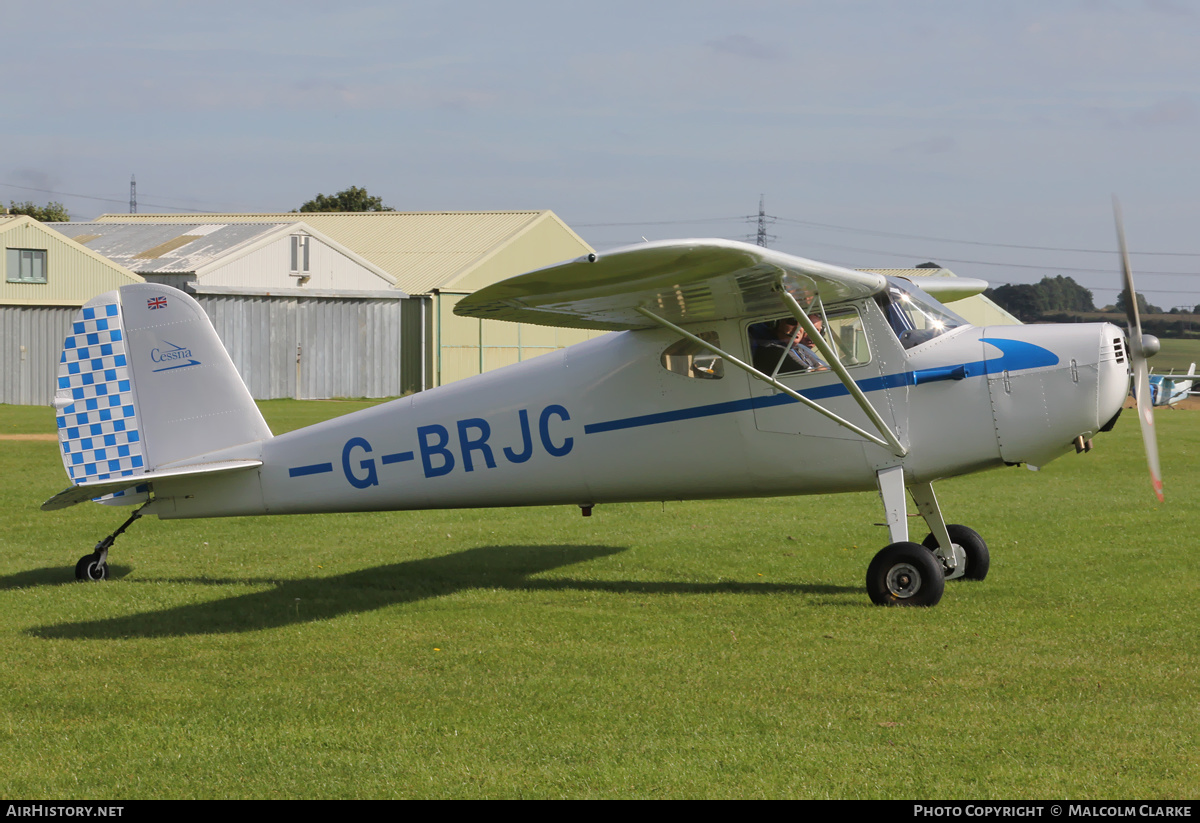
(145, 383)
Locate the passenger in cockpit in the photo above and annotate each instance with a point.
(782, 340)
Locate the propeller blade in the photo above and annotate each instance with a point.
(1138, 354)
(1145, 410)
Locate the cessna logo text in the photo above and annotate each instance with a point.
(175, 357)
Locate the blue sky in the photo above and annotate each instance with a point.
(879, 133)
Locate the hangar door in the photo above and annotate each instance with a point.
(312, 347)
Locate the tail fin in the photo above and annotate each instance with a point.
(144, 385)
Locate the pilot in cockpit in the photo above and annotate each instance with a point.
(783, 340)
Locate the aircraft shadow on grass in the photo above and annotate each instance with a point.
(311, 599)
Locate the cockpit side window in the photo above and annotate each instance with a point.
(690, 359)
(771, 353)
(914, 316)
(846, 332)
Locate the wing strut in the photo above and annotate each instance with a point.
(891, 444)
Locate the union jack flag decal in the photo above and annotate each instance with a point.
(156, 303)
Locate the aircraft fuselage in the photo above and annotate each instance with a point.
(607, 421)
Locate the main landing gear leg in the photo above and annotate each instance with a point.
(961, 551)
(903, 573)
(94, 566)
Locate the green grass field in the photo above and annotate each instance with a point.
(1176, 355)
(718, 649)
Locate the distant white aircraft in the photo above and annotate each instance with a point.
(1169, 389)
(691, 398)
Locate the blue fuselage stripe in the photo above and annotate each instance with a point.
(1017, 356)
(733, 406)
(316, 468)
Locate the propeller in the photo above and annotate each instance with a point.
(1139, 350)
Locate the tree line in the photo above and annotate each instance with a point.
(1054, 298)
(1029, 301)
(1057, 296)
(52, 212)
(351, 199)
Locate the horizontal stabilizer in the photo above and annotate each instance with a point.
(90, 491)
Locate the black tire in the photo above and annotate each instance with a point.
(905, 574)
(978, 559)
(89, 567)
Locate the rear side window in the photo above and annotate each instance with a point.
(690, 359)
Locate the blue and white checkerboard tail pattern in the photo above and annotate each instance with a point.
(145, 387)
(98, 429)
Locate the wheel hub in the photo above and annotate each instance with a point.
(903, 580)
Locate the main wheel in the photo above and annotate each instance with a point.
(905, 574)
(89, 567)
(978, 559)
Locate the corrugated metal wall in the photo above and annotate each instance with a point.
(31, 339)
(312, 347)
(347, 347)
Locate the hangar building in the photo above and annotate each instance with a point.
(301, 315)
(46, 278)
(437, 258)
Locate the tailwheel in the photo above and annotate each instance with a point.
(974, 551)
(905, 574)
(92, 567)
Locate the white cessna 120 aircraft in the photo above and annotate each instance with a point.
(701, 393)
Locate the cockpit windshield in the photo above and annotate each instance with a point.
(914, 316)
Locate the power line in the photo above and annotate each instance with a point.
(762, 218)
(1118, 289)
(1035, 266)
(660, 222)
(879, 233)
(101, 199)
(978, 242)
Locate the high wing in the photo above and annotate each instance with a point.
(675, 283)
(682, 281)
